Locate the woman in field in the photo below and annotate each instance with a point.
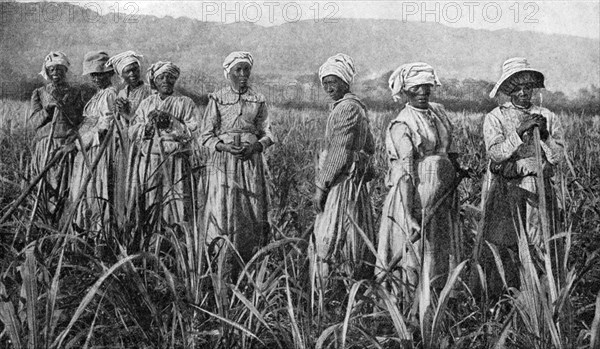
(422, 177)
(510, 192)
(341, 196)
(134, 91)
(55, 114)
(98, 116)
(164, 125)
(237, 131)
(128, 67)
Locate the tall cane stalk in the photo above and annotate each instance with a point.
(165, 173)
(30, 187)
(545, 226)
(46, 156)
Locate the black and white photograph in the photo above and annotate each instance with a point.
(307, 174)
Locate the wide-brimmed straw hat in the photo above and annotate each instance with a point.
(510, 69)
(95, 62)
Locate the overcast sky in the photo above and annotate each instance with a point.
(579, 18)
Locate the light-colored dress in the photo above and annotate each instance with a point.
(510, 201)
(162, 166)
(418, 142)
(235, 191)
(56, 181)
(125, 151)
(342, 164)
(98, 115)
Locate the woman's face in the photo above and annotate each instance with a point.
(102, 80)
(239, 76)
(418, 96)
(521, 95)
(131, 74)
(335, 87)
(57, 73)
(165, 84)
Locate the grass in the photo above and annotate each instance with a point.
(148, 285)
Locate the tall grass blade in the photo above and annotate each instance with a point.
(88, 298)
(397, 318)
(595, 331)
(297, 335)
(351, 297)
(325, 334)
(29, 275)
(92, 326)
(9, 319)
(442, 302)
(498, 261)
(229, 322)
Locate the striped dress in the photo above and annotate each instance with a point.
(56, 182)
(349, 144)
(418, 142)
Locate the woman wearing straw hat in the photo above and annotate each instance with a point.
(164, 125)
(98, 116)
(55, 115)
(341, 194)
(510, 190)
(237, 132)
(422, 176)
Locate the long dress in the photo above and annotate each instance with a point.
(418, 142)
(342, 165)
(55, 184)
(123, 153)
(161, 176)
(235, 191)
(98, 115)
(510, 198)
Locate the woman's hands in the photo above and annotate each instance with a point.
(241, 152)
(529, 122)
(123, 106)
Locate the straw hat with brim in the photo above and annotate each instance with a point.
(517, 71)
(95, 62)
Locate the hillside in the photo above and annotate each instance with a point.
(293, 49)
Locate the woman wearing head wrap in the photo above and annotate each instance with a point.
(55, 114)
(128, 67)
(341, 196)
(422, 170)
(164, 124)
(98, 115)
(510, 190)
(237, 131)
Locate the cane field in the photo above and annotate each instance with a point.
(138, 283)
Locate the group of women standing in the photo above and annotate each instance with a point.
(151, 133)
(418, 233)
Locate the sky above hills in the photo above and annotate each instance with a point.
(578, 18)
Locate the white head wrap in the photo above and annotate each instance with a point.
(340, 65)
(54, 58)
(234, 58)
(159, 68)
(412, 74)
(123, 59)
